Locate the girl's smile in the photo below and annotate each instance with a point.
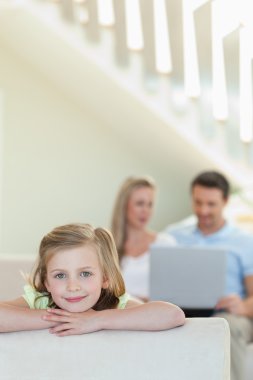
(74, 299)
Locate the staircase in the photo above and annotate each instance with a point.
(160, 61)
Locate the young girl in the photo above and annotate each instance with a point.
(77, 288)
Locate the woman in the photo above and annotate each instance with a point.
(132, 212)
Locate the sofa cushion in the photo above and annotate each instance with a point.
(198, 350)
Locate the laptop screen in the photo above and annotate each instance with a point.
(190, 277)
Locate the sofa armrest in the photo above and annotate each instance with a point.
(198, 350)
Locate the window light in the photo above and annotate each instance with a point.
(162, 41)
(191, 67)
(105, 12)
(133, 25)
(225, 19)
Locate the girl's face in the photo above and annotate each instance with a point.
(140, 207)
(74, 278)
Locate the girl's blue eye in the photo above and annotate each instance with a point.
(85, 274)
(60, 275)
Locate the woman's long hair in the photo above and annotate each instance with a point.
(119, 222)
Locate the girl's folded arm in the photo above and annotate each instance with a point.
(151, 316)
(17, 316)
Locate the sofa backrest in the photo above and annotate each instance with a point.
(198, 350)
(11, 279)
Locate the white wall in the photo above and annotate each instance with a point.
(75, 126)
(62, 164)
(1, 158)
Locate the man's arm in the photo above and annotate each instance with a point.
(248, 281)
(17, 316)
(234, 304)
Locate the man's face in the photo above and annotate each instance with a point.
(208, 204)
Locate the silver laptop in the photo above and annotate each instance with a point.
(189, 277)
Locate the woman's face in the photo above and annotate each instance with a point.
(140, 207)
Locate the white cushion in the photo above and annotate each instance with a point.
(199, 350)
(249, 362)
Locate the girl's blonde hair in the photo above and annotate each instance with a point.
(76, 235)
(119, 222)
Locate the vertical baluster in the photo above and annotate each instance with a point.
(175, 23)
(191, 69)
(92, 27)
(147, 17)
(221, 27)
(202, 19)
(67, 9)
(163, 59)
(208, 128)
(121, 51)
(246, 97)
(231, 59)
(220, 102)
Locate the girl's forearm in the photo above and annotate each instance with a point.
(14, 318)
(152, 316)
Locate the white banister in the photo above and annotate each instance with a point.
(166, 35)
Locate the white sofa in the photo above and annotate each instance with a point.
(198, 350)
(12, 268)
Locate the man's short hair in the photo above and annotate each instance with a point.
(212, 179)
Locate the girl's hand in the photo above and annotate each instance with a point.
(152, 316)
(72, 323)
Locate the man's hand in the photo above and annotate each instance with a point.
(233, 303)
(72, 323)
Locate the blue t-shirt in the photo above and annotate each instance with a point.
(237, 243)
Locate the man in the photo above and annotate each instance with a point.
(210, 193)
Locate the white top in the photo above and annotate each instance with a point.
(135, 270)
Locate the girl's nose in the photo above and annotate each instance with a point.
(73, 286)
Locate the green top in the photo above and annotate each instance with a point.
(42, 301)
